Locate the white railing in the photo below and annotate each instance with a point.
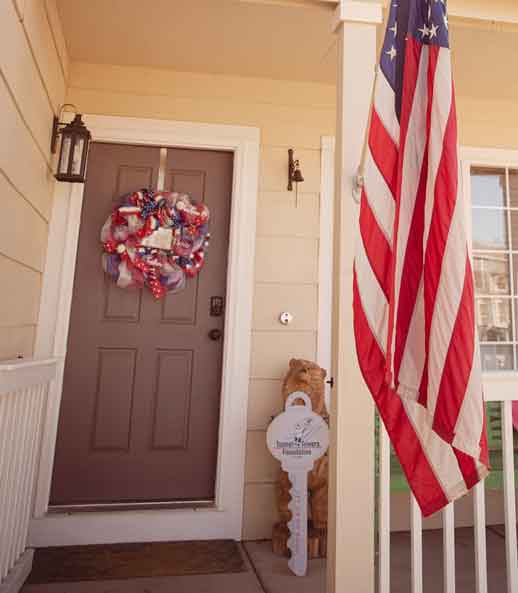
(500, 388)
(23, 394)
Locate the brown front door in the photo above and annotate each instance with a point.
(141, 393)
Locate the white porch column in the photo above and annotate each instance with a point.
(351, 492)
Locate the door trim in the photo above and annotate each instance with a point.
(224, 520)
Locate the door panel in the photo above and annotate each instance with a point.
(139, 417)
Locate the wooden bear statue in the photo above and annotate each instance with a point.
(308, 377)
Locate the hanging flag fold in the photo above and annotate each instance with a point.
(414, 314)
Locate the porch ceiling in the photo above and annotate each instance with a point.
(283, 39)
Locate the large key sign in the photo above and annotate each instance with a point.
(297, 438)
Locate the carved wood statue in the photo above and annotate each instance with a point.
(308, 377)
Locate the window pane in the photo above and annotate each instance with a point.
(514, 229)
(489, 229)
(491, 272)
(487, 187)
(494, 320)
(513, 189)
(497, 358)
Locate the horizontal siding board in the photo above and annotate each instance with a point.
(40, 37)
(274, 169)
(17, 342)
(19, 301)
(20, 159)
(261, 466)
(264, 402)
(22, 77)
(260, 511)
(24, 238)
(286, 260)
(272, 351)
(155, 81)
(285, 214)
(275, 130)
(270, 300)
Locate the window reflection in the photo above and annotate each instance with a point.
(489, 229)
(497, 358)
(494, 320)
(491, 272)
(488, 187)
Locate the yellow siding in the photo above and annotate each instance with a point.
(33, 63)
(289, 114)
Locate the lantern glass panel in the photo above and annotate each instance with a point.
(66, 145)
(77, 157)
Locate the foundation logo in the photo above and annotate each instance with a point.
(298, 436)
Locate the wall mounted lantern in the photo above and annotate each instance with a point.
(294, 172)
(75, 142)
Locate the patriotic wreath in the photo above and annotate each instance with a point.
(155, 239)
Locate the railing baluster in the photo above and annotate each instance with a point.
(509, 497)
(21, 472)
(10, 481)
(5, 417)
(37, 426)
(416, 537)
(23, 390)
(479, 515)
(25, 477)
(384, 511)
(448, 519)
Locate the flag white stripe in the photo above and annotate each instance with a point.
(413, 360)
(440, 113)
(447, 302)
(412, 165)
(384, 105)
(379, 197)
(440, 455)
(373, 299)
(471, 418)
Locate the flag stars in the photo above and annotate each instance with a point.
(394, 29)
(433, 31)
(392, 52)
(425, 31)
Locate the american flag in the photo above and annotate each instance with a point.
(414, 314)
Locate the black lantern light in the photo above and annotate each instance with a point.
(75, 142)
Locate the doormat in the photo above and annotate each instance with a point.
(128, 561)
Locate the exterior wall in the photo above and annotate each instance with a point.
(33, 67)
(286, 269)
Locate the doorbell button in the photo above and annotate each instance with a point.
(285, 318)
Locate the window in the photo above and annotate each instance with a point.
(494, 197)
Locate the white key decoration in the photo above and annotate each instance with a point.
(297, 438)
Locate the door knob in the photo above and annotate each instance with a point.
(215, 334)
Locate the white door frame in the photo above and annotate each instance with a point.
(224, 520)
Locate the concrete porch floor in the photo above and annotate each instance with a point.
(267, 573)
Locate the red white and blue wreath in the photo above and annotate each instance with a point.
(155, 239)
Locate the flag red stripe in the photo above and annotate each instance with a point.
(384, 151)
(420, 475)
(458, 364)
(444, 206)
(376, 245)
(412, 59)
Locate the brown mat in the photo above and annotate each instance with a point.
(126, 561)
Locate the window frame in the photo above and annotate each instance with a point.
(498, 158)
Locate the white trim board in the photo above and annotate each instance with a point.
(225, 520)
(325, 258)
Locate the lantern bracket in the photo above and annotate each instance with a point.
(57, 125)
